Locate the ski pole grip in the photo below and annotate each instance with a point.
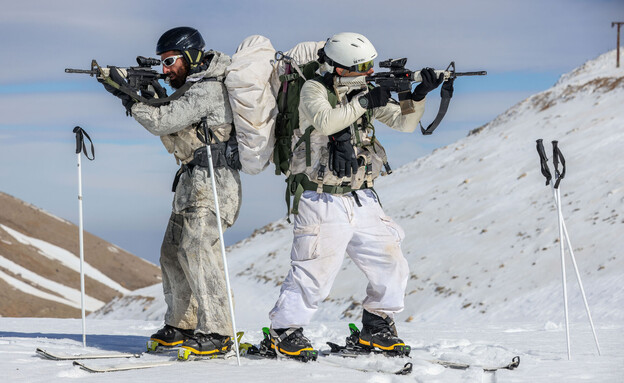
(80, 146)
(558, 157)
(543, 161)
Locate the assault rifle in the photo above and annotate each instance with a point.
(139, 78)
(399, 79)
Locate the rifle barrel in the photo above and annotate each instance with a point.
(479, 73)
(85, 71)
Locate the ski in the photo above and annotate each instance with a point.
(265, 351)
(353, 349)
(405, 370)
(123, 367)
(56, 356)
(515, 362)
(140, 366)
(255, 353)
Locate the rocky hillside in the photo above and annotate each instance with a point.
(39, 265)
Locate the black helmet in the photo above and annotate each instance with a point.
(180, 39)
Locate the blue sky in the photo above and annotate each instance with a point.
(524, 45)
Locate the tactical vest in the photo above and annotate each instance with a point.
(309, 168)
(184, 143)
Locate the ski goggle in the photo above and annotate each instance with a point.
(169, 61)
(363, 67)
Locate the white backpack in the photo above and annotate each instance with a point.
(252, 81)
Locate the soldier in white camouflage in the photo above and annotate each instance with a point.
(198, 316)
(337, 210)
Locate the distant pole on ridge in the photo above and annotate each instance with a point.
(619, 24)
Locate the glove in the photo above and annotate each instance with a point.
(447, 88)
(126, 99)
(342, 160)
(158, 90)
(377, 97)
(429, 82)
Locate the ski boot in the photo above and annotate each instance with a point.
(288, 342)
(205, 345)
(379, 334)
(167, 338)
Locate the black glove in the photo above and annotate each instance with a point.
(447, 88)
(342, 160)
(158, 90)
(429, 82)
(126, 99)
(377, 97)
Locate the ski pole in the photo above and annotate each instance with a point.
(546, 173)
(80, 147)
(222, 243)
(563, 274)
(563, 231)
(558, 156)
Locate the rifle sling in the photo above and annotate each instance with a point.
(446, 93)
(156, 101)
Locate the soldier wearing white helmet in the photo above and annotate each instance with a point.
(335, 207)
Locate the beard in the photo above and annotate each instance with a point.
(177, 82)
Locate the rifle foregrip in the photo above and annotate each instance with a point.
(416, 77)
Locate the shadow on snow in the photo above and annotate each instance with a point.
(120, 343)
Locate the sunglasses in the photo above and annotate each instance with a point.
(364, 67)
(169, 61)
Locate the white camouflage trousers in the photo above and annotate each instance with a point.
(326, 227)
(190, 258)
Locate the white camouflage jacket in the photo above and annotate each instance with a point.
(176, 123)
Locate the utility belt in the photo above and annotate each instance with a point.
(298, 183)
(200, 158)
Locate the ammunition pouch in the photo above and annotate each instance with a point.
(221, 157)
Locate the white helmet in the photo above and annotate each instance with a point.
(349, 51)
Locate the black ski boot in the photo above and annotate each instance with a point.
(288, 342)
(379, 333)
(205, 345)
(167, 338)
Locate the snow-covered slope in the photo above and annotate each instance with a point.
(40, 267)
(481, 227)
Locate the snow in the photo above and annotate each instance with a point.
(65, 257)
(482, 244)
(70, 297)
(539, 345)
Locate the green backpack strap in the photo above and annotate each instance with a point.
(333, 101)
(288, 111)
(295, 183)
(294, 189)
